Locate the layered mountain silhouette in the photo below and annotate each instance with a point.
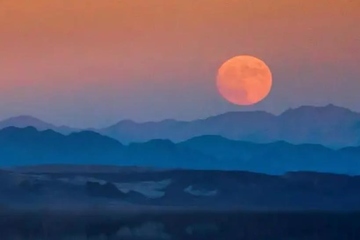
(28, 146)
(29, 121)
(329, 125)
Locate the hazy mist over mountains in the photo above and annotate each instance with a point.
(304, 160)
(128, 189)
(323, 139)
(179, 120)
(329, 125)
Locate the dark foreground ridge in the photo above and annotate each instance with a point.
(62, 202)
(138, 189)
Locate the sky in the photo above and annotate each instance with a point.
(91, 63)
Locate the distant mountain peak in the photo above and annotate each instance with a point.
(24, 120)
(127, 121)
(319, 109)
(235, 114)
(23, 117)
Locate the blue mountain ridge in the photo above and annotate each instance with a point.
(28, 146)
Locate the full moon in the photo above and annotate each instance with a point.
(244, 80)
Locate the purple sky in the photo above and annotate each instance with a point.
(92, 63)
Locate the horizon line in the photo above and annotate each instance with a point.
(172, 119)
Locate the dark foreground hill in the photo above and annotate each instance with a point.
(180, 225)
(132, 189)
(64, 202)
(28, 146)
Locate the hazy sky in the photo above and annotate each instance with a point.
(92, 62)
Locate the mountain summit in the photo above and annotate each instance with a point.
(29, 121)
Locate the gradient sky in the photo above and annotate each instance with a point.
(93, 63)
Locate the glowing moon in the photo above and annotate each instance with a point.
(244, 80)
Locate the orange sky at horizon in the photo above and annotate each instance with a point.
(97, 53)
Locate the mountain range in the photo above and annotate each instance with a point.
(29, 121)
(28, 146)
(329, 125)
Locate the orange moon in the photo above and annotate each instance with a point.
(244, 80)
